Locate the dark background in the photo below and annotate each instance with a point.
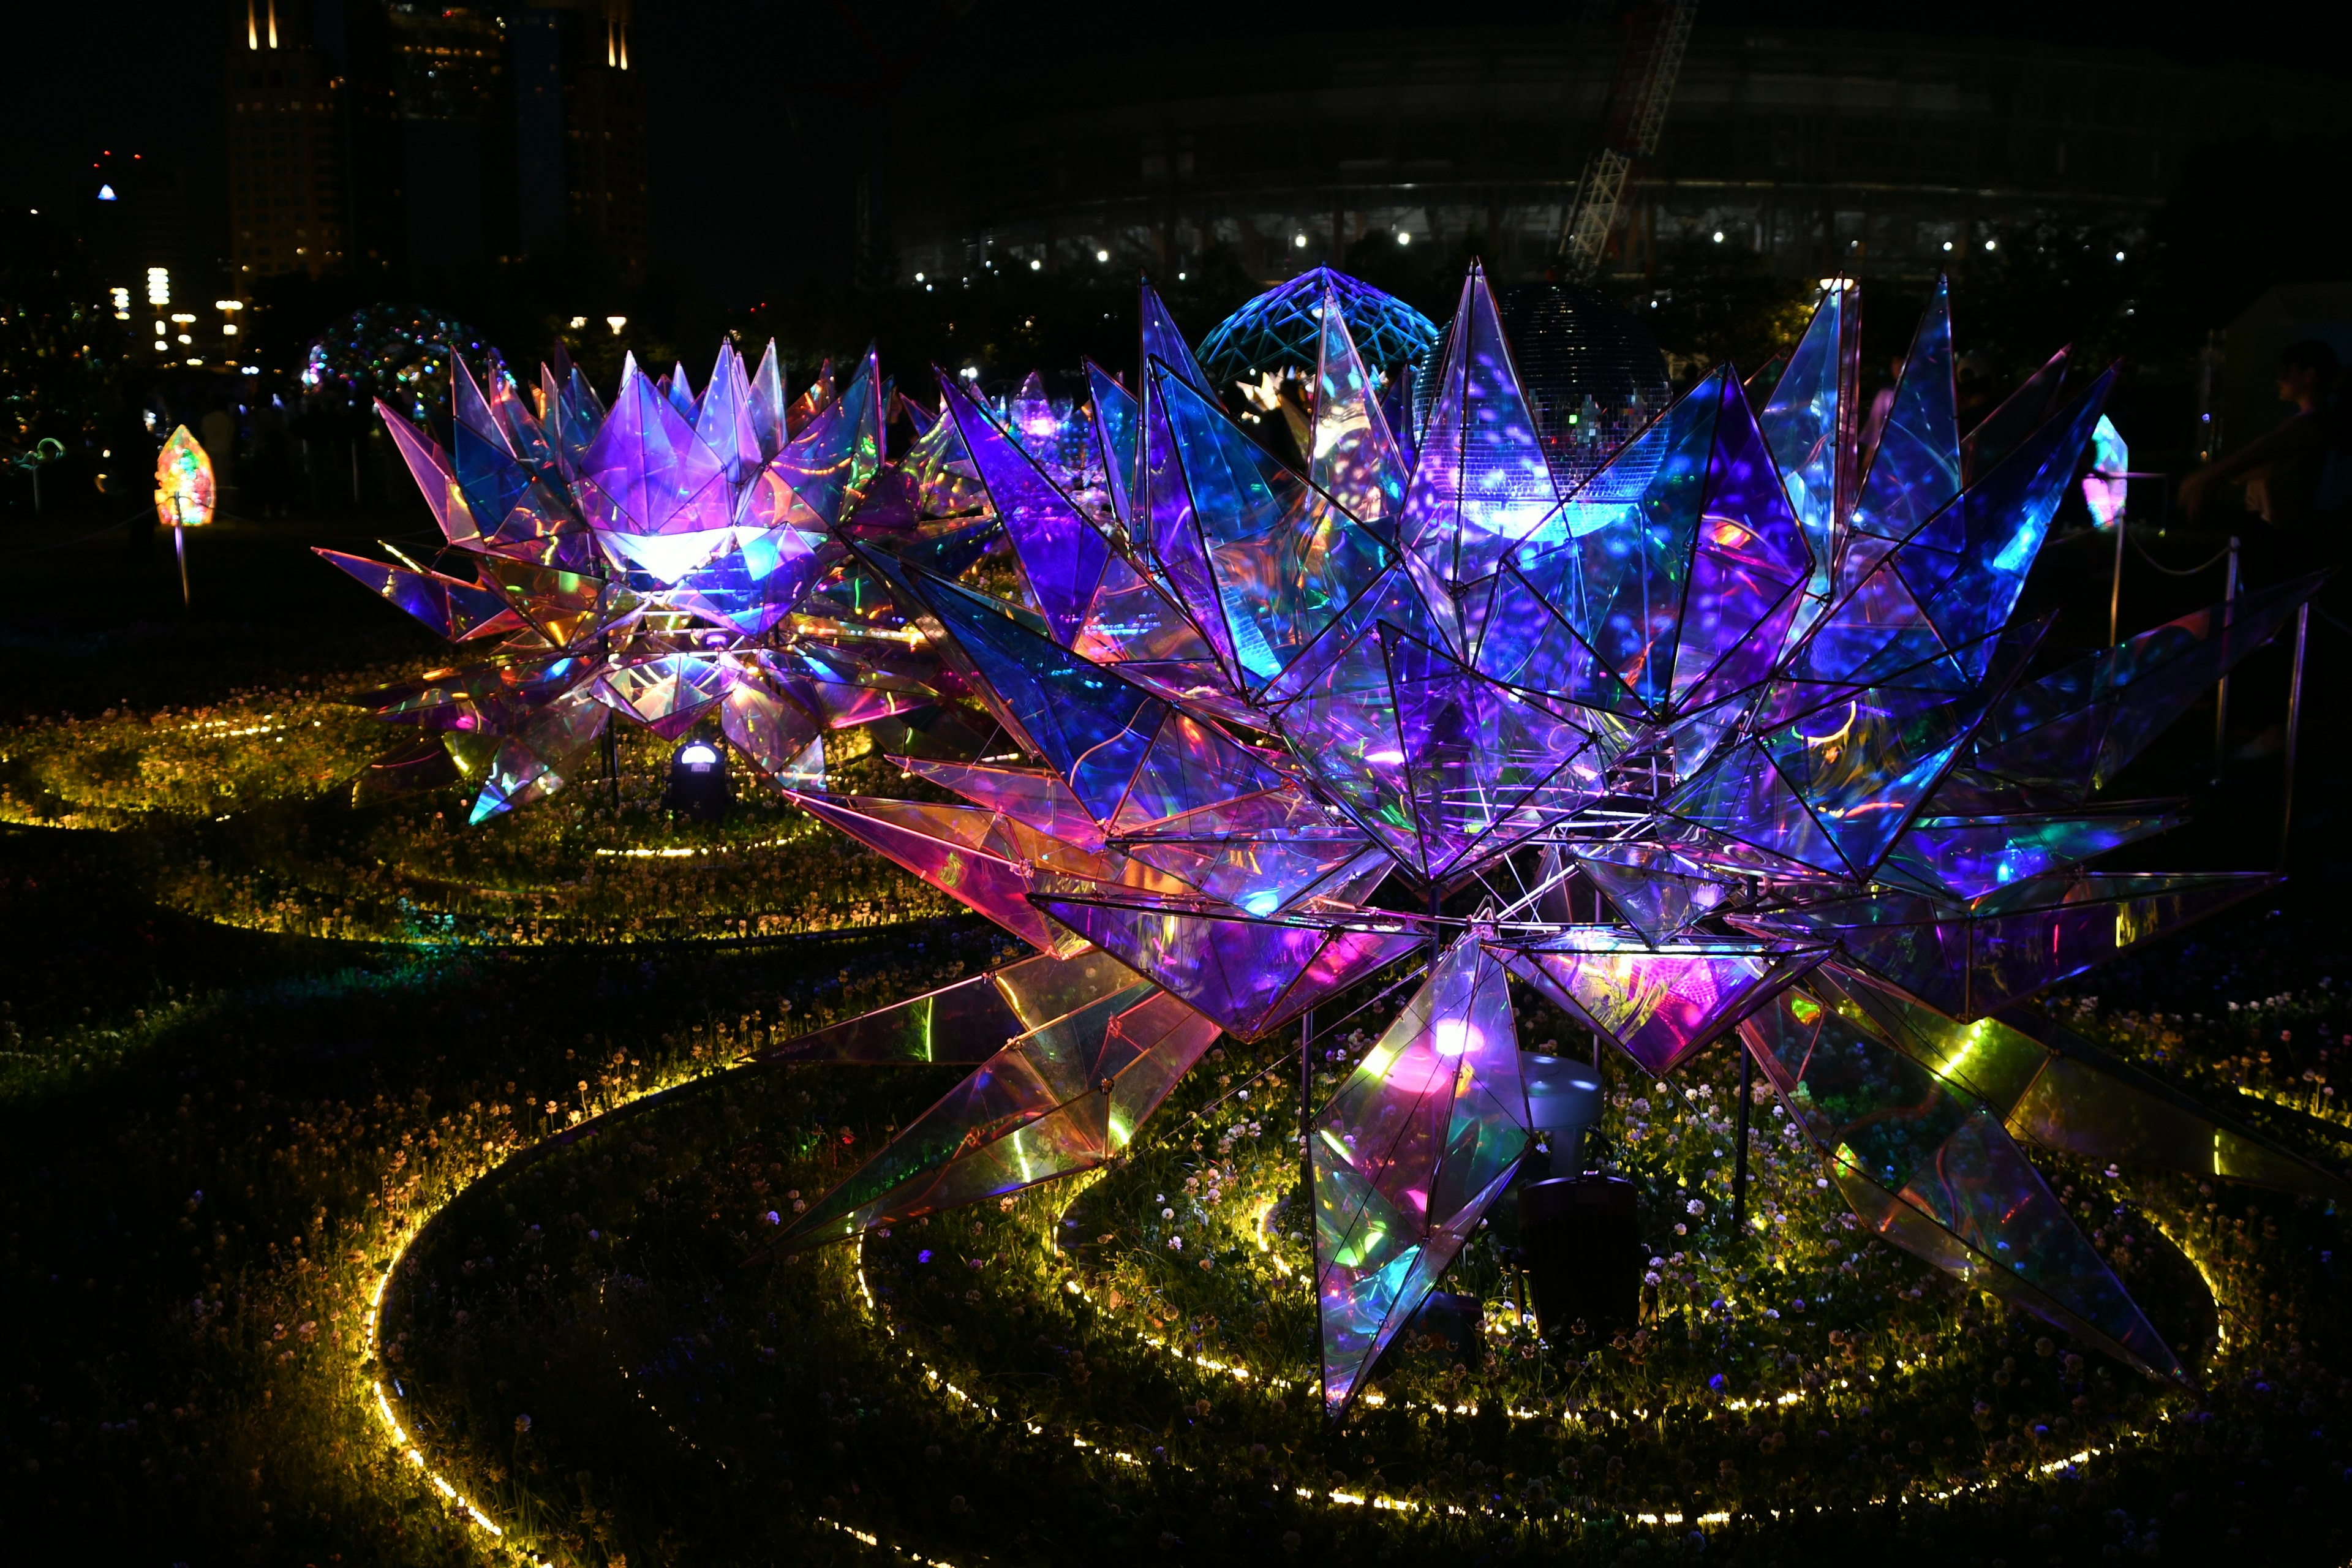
(753, 111)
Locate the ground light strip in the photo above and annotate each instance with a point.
(474, 1515)
(466, 1509)
(1407, 1505)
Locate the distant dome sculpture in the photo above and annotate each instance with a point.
(399, 353)
(1279, 330)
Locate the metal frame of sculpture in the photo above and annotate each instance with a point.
(1757, 696)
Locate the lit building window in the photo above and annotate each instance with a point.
(159, 285)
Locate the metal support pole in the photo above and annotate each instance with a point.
(1306, 1110)
(2221, 690)
(2293, 724)
(611, 734)
(180, 548)
(2116, 588)
(1739, 1155)
(1596, 920)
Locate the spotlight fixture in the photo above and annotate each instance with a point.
(698, 787)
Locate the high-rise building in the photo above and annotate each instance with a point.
(394, 135)
(578, 128)
(132, 211)
(288, 156)
(453, 79)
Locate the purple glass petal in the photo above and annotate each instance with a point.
(1659, 1004)
(1810, 422)
(1250, 975)
(1480, 483)
(1061, 553)
(1354, 458)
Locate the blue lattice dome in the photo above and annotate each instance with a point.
(1278, 329)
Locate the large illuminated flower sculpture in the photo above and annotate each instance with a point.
(1756, 690)
(645, 562)
(1752, 696)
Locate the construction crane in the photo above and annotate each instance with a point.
(1656, 33)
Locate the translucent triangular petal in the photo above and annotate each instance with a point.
(1915, 470)
(1354, 459)
(1117, 420)
(1062, 555)
(1410, 1149)
(1621, 579)
(1809, 423)
(1250, 974)
(1282, 558)
(1660, 1003)
(1480, 481)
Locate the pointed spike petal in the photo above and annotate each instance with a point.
(1354, 458)
(1411, 1151)
(1481, 482)
(1659, 1004)
(1062, 555)
(1250, 975)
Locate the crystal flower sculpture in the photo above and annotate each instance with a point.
(642, 561)
(1753, 696)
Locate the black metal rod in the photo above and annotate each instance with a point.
(1307, 1103)
(2115, 586)
(1739, 1155)
(2221, 689)
(2294, 726)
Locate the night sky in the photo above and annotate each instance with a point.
(750, 106)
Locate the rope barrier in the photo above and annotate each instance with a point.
(82, 539)
(2206, 565)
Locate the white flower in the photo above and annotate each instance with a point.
(1175, 1243)
(1167, 1214)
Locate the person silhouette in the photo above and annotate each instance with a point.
(2286, 470)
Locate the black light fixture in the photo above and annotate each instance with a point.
(1579, 1232)
(1580, 1240)
(698, 788)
